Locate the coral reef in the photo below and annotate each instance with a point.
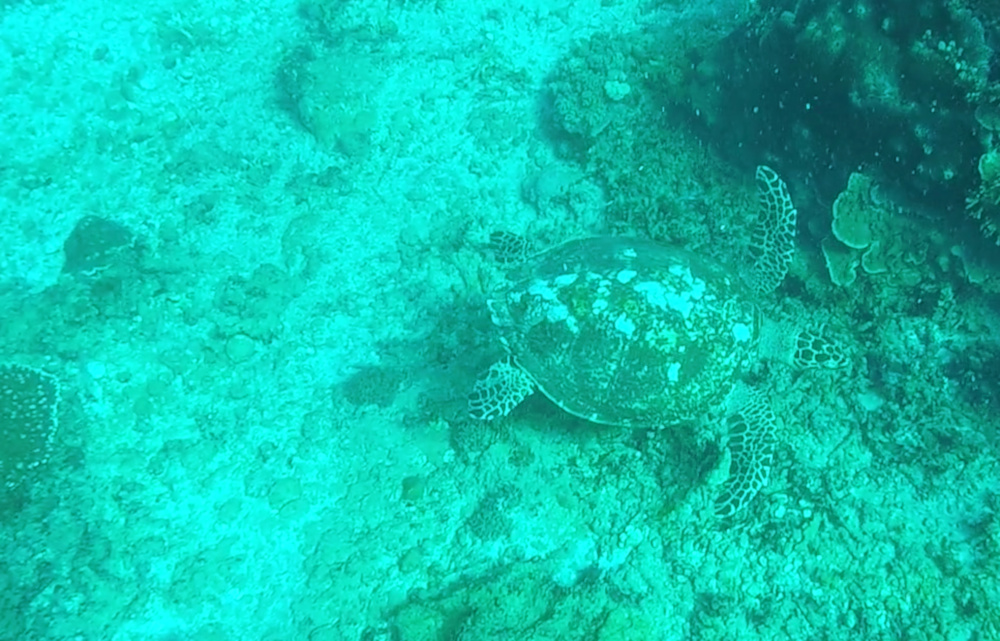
(890, 87)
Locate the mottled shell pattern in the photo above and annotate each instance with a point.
(624, 331)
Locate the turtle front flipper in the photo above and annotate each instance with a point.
(773, 240)
(499, 390)
(751, 448)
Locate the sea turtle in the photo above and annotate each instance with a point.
(628, 331)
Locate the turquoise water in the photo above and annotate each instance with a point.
(248, 249)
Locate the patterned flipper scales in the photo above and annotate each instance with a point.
(498, 391)
(751, 446)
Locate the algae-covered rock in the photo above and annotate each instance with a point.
(96, 244)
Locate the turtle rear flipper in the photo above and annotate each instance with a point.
(751, 448)
(498, 391)
(508, 248)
